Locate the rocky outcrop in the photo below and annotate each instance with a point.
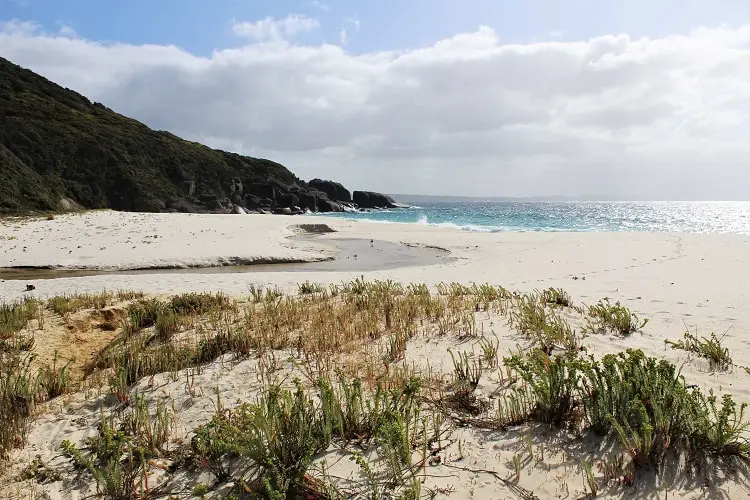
(368, 199)
(326, 205)
(111, 161)
(334, 190)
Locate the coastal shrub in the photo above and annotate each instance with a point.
(615, 317)
(710, 348)
(721, 431)
(167, 325)
(552, 382)
(643, 402)
(556, 297)
(199, 303)
(19, 393)
(143, 314)
(118, 456)
(15, 316)
(268, 446)
(55, 380)
(63, 305)
(543, 327)
(308, 288)
(276, 439)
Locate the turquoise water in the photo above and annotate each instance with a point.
(703, 217)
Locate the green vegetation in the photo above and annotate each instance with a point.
(117, 458)
(268, 446)
(333, 374)
(614, 317)
(709, 348)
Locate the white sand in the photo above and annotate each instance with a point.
(117, 240)
(672, 279)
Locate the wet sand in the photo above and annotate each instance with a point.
(350, 255)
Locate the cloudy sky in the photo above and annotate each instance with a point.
(611, 98)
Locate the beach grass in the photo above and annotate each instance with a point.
(335, 374)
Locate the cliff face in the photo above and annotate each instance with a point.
(58, 149)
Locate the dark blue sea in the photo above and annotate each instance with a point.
(495, 216)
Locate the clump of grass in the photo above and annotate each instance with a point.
(353, 415)
(308, 288)
(275, 438)
(199, 303)
(551, 380)
(124, 295)
(118, 457)
(544, 327)
(167, 325)
(556, 297)
(19, 393)
(63, 305)
(614, 317)
(55, 380)
(267, 446)
(14, 317)
(143, 314)
(710, 348)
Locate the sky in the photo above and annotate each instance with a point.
(628, 99)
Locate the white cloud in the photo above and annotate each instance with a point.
(344, 36)
(67, 30)
(270, 29)
(319, 5)
(665, 117)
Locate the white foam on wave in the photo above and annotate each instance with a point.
(424, 220)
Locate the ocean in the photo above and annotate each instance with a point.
(496, 216)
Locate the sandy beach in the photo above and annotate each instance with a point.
(677, 281)
(669, 277)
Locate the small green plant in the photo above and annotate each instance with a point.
(277, 437)
(466, 374)
(19, 393)
(490, 351)
(308, 288)
(615, 317)
(552, 382)
(118, 458)
(396, 347)
(589, 480)
(709, 348)
(143, 314)
(149, 432)
(545, 328)
(14, 317)
(556, 297)
(167, 325)
(55, 380)
(199, 303)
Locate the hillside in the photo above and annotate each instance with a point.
(59, 150)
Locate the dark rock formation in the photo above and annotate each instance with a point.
(288, 200)
(368, 199)
(326, 205)
(308, 201)
(334, 190)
